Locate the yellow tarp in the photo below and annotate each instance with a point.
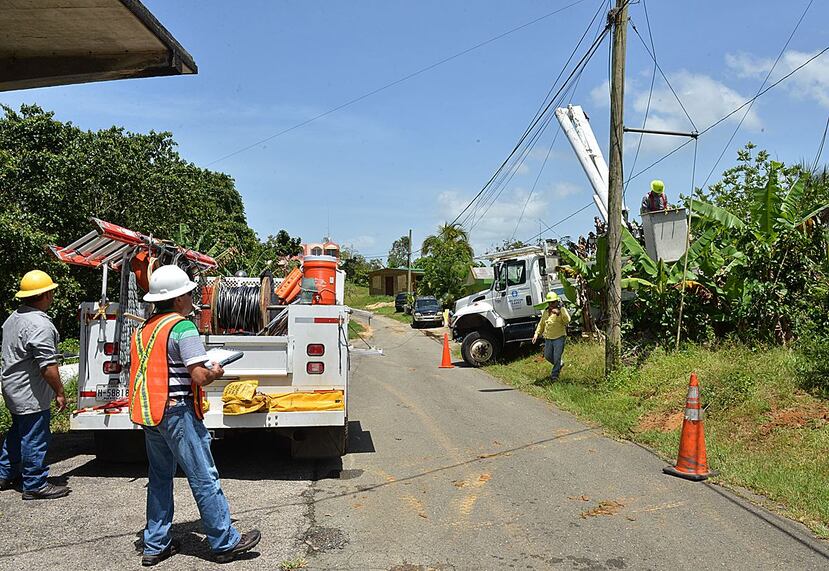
(238, 406)
(240, 397)
(306, 402)
(240, 390)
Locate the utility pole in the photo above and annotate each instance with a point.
(618, 18)
(409, 265)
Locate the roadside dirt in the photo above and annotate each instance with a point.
(806, 415)
(380, 304)
(660, 421)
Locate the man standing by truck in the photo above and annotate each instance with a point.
(168, 368)
(30, 382)
(553, 327)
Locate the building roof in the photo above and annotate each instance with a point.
(59, 42)
(396, 270)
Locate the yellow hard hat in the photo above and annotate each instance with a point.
(551, 297)
(657, 186)
(35, 283)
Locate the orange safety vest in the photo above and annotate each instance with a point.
(149, 372)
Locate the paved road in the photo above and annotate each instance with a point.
(450, 470)
(453, 470)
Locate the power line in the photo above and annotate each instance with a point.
(558, 130)
(662, 73)
(396, 82)
(748, 110)
(583, 61)
(565, 219)
(820, 147)
(724, 117)
(647, 107)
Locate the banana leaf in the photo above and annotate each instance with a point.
(766, 206)
(632, 247)
(574, 261)
(569, 289)
(717, 214)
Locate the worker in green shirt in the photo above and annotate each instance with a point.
(553, 328)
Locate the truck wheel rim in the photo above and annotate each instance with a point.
(481, 350)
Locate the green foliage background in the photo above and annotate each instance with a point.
(54, 176)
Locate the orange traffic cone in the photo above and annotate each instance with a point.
(691, 462)
(446, 363)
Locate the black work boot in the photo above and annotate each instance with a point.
(248, 541)
(7, 484)
(172, 549)
(47, 492)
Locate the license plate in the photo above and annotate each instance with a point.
(109, 393)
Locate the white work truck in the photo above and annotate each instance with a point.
(487, 321)
(310, 355)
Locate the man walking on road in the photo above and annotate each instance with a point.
(168, 368)
(30, 381)
(553, 327)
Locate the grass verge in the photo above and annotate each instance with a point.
(763, 432)
(358, 297)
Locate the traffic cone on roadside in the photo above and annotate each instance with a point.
(691, 463)
(446, 363)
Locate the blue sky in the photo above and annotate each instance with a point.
(413, 155)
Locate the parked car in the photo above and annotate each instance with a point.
(401, 300)
(427, 311)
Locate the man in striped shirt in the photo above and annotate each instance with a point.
(162, 400)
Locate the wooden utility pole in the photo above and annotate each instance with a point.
(409, 265)
(618, 18)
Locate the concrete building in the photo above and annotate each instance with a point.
(391, 281)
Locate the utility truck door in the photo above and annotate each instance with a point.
(513, 297)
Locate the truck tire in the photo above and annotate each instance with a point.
(120, 446)
(480, 348)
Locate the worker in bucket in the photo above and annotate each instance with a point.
(30, 382)
(168, 369)
(553, 328)
(655, 200)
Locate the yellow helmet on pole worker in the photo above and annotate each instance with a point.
(35, 283)
(657, 186)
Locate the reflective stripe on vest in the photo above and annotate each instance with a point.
(149, 372)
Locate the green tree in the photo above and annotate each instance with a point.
(55, 176)
(356, 266)
(446, 259)
(399, 253)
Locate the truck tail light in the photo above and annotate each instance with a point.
(315, 368)
(112, 367)
(110, 348)
(315, 350)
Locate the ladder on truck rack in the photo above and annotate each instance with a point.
(107, 244)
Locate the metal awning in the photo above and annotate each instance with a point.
(59, 42)
(108, 243)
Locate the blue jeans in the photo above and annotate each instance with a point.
(553, 351)
(181, 438)
(24, 450)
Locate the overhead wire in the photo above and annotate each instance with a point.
(765, 80)
(728, 115)
(565, 219)
(558, 130)
(545, 116)
(820, 147)
(647, 106)
(588, 54)
(395, 82)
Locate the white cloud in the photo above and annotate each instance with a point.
(522, 169)
(811, 82)
(564, 188)
(498, 223)
(705, 98)
(600, 95)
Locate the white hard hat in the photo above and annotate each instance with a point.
(168, 282)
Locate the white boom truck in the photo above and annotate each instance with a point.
(309, 356)
(487, 321)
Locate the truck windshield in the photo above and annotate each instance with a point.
(427, 305)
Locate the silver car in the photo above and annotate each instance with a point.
(427, 312)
